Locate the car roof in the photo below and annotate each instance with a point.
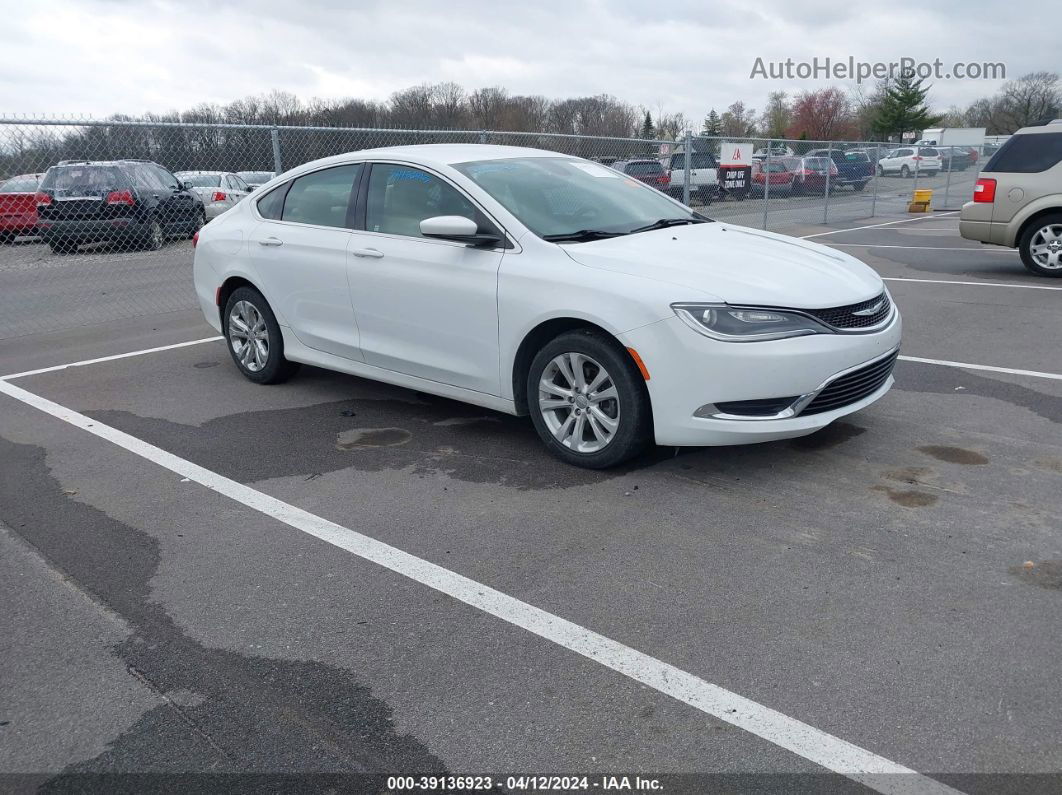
(1053, 126)
(120, 162)
(204, 173)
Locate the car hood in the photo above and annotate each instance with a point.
(737, 265)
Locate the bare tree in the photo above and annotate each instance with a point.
(1029, 99)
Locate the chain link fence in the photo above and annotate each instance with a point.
(96, 216)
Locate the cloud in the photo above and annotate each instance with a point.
(106, 56)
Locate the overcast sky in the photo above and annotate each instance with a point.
(107, 56)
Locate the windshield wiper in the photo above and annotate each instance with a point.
(581, 236)
(664, 223)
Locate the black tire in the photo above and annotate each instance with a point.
(8, 237)
(1025, 246)
(635, 431)
(198, 223)
(153, 237)
(905, 172)
(858, 185)
(276, 368)
(931, 173)
(881, 171)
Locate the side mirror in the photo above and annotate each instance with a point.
(457, 228)
(185, 186)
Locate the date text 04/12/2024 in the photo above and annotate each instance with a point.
(396, 784)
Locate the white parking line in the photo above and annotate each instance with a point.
(806, 741)
(876, 226)
(972, 284)
(987, 367)
(930, 248)
(109, 358)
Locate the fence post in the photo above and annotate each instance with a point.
(947, 185)
(766, 170)
(278, 165)
(688, 147)
(826, 192)
(482, 136)
(918, 163)
(874, 179)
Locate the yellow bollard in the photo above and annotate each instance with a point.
(920, 201)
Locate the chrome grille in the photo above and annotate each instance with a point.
(848, 317)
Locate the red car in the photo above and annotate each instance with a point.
(780, 178)
(18, 206)
(810, 173)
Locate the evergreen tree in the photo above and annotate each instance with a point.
(713, 126)
(903, 108)
(648, 130)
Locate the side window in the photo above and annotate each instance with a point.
(321, 198)
(166, 179)
(239, 183)
(400, 197)
(272, 204)
(143, 179)
(1027, 154)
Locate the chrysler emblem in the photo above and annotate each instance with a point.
(870, 310)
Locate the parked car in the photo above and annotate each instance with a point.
(776, 150)
(617, 315)
(907, 160)
(956, 158)
(133, 202)
(651, 172)
(704, 176)
(1017, 200)
(18, 206)
(810, 173)
(219, 190)
(854, 169)
(776, 172)
(256, 179)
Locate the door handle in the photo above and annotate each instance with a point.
(367, 252)
(271, 241)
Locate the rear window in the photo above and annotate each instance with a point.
(257, 177)
(697, 160)
(24, 184)
(1027, 154)
(641, 169)
(856, 157)
(65, 181)
(927, 151)
(202, 180)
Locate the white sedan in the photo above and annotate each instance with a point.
(535, 283)
(219, 190)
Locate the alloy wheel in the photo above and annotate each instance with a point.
(249, 336)
(579, 402)
(1046, 247)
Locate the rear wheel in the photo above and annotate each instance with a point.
(588, 400)
(881, 171)
(154, 238)
(858, 185)
(253, 337)
(62, 246)
(1040, 246)
(905, 172)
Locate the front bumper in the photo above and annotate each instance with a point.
(689, 371)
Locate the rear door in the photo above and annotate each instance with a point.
(176, 205)
(299, 251)
(425, 307)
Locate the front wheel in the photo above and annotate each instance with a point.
(588, 400)
(858, 185)
(881, 171)
(1040, 246)
(154, 238)
(253, 337)
(905, 172)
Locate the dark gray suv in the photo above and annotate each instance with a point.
(135, 203)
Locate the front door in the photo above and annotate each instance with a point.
(425, 307)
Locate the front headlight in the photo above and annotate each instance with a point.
(746, 324)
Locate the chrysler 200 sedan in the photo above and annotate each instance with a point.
(535, 283)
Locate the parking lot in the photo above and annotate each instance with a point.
(342, 577)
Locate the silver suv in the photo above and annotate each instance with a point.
(1017, 200)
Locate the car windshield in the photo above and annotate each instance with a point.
(556, 196)
(817, 162)
(926, 151)
(23, 184)
(88, 180)
(201, 180)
